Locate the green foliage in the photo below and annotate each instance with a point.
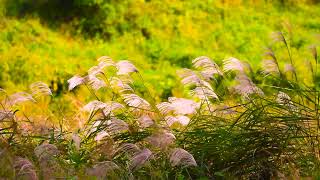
(156, 35)
(232, 136)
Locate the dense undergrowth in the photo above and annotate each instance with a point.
(232, 123)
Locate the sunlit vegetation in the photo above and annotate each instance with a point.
(159, 89)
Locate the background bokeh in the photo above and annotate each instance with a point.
(43, 40)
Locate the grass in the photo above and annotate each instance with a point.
(165, 114)
(218, 30)
(243, 130)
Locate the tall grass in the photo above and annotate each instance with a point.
(232, 122)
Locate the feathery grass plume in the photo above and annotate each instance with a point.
(40, 89)
(278, 37)
(284, 100)
(270, 66)
(105, 61)
(245, 86)
(95, 124)
(100, 135)
(165, 108)
(161, 139)
(102, 169)
(105, 147)
(6, 115)
(139, 159)
(94, 105)
(233, 64)
(178, 106)
(204, 93)
(183, 106)
(115, 126)
(289, 68)
(121, 84)
(45, 152)
(189, 77)
(135, 101)
(96, 83)
(269, 52)
(125, 67)
(314, 52)
(183, 120)
(75, 81)
(95, 70)
(181, 157)
(145, 121)
(20, 97)
(207, 66)
(111, 106)
(77, 140)
(127, 148)
(24, 169)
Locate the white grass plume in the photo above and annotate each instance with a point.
(181, 157)
(161, 139)
(204, 93)
(270, 66)
(45, 152)
(75, 81)
(245, 86)
(180, 106)
(165, 107)
(100, 135)
(106, 59)
(125, 67)
(20, 97)
(183, 106)
(123, 85)
(127, 148)
(145, 121)
(278, 37)
(40, 89)
(233, 64)
(115, 126)
(189, 77)
(183, 120)
(285, 100)
(102, 169)
(104, 62)
(289, 68)
(112, 106)
(96, 83)
(207, 66)
(94, 105)
(136, 101)
(139, 159)
(24, 169)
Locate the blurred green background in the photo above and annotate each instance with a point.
(51, 40)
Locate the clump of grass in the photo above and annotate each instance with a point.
(229, 124)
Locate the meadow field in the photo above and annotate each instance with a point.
(159, 89)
